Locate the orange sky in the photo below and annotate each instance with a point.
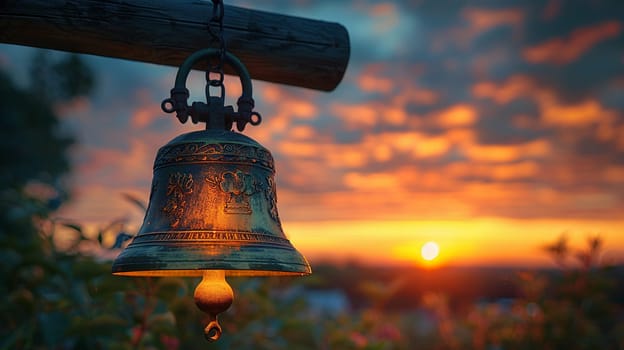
(476, 242)
(490, 130)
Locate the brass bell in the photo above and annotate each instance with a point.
(213, 206)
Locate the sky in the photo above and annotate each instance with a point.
(491, 128)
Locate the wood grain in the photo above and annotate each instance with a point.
(276, 48)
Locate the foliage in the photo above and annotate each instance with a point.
(33, 161)
(575, 308)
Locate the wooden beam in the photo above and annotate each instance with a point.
(276, 48)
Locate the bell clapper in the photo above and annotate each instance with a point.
(213, 295)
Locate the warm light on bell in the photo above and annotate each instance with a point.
(212, 210)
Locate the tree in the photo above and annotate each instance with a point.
(33, 159)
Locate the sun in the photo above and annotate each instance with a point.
(430, 251)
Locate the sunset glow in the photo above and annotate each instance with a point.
(489, 130)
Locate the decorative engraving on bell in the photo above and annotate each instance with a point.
(179, 186)
(239, 186)
(212, 207)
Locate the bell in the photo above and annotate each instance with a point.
(213, 206)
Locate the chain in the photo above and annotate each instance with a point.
(215, 27)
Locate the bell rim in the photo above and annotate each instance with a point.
(200, 272)
(175, 257)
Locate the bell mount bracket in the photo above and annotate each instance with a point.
(213, 112)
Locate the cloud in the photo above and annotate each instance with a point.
(507, 153)
(566, 50)
(413, 94)
(482, 19)
(551, 10)
(614, 174)
(457, 115)
(357, 115)
(372, 79)
(579, 114)
(474, 22)
(514, 87)
(552, 111)
(378, 182)
(145, 114)
(522, 170)
(119, 167)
